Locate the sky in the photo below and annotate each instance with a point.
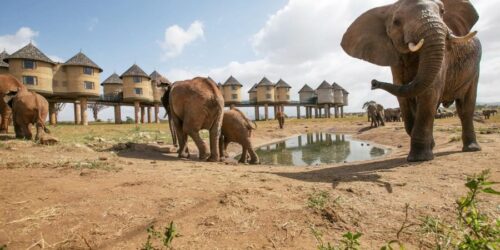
(296, 40)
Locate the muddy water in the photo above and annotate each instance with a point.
(318, 148)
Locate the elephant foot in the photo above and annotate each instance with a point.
(213, 158)
(184, 155)
(204, 156)
(3, 131)
(254, 162)
(420, 152)
(471, 147)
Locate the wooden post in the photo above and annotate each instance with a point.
(150, 114)
(157, 113)
(327, 111)
(143, 114)
(298, 112)
(137, 107)
(257, 112)
(342, 111)
(83, 112)
(76, 106)
(118, 115)
(266, 112)
(52, 113)
(316, 112)
(336, 112)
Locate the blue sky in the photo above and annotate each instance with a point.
(297, 40)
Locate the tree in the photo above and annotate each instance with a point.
(96, 108)
(58, 107)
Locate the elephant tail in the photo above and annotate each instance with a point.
(250, 124)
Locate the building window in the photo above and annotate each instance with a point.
(65, 83)
(288, 97)
(88, 71)
(55, 83)
(88, 85)
(268, 96)
(268, 88)
(29, 64)
(137, 79)
(234, 96)
(30, 80)
(138, 91)
(234, 87)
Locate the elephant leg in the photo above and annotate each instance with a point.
(254, 158)
(408, 112)
(200, 144)
(221, 148)
(39, 131)
(6, 112)
(465, 109)
(27, 132)
(182, 137)
(244, 153)
(215, 132)
(422, 140)
(18, 130)
(226, 143)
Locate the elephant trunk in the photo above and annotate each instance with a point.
(430, 62)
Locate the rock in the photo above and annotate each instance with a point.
(120, 146)
(400, 146)
(103, 158)
(48, 140)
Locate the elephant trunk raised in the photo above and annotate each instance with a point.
(431, 58)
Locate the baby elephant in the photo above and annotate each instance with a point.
(28, 108)
(236, 127)
(280, 116)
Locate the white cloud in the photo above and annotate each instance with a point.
(301, 44)
(92, 23)
(176, 38)
(13, 42)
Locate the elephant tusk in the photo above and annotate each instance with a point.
(461, 39)
(415, 48)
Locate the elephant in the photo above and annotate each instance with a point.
(236, 127)
(392, 115)
(280, 116)
(28, 108)
(489, 112)
(195, 105)
(375, 114)
(434, 59)
(8, 83)
(166, 105)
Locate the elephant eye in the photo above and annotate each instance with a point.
(397, 22)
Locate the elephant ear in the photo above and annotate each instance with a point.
(367, 38)
(460, 16)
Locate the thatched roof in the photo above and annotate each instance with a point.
(3, 55)
(81, 59)
(135, 70)
(155, 76)
(30, 52)
(337, 86)
(282, 84)
(306, 88)
(231, 81)
(112, 79)
(253, 89)
(265, 82)
(324, 85)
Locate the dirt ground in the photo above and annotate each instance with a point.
(104, 195)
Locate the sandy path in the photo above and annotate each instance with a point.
(228, 206)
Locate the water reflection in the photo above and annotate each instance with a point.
(316, 148)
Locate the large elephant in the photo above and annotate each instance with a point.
(195, 105)
(392, 115)
(236, 127)
(8, 83)
(28, 108)
(434, 59)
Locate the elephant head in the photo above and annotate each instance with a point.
(383, 35)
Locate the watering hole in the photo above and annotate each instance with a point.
(318, 148)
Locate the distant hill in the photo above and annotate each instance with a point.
(488, 103)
